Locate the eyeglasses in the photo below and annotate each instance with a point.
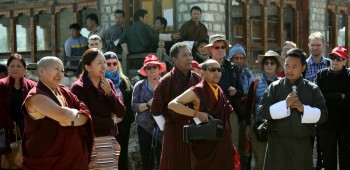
(151, 67)
(114, 64)
(336, 58)
(218, 47)
(213, 69)
(269, 63)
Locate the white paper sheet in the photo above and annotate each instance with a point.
(160, 120)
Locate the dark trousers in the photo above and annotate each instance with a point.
(123, 139)
(330, 142)
(148, 154)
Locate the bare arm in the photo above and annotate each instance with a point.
(178, 105)
(40, 106)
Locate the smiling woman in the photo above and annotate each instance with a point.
(53, 113)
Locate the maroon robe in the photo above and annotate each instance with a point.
(175, 152)
(213, 154)
(6, 86)
(48, 145)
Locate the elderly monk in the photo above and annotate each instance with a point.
(58, 131)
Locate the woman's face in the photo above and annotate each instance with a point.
(112, 65)
(16, 69)
(152, 70)
(200, 48)
(98, 67)
(270, 66)
(53, 74)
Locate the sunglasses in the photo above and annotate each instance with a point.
(213, 69)
(218, 47)
(114, 64)
(151, 67)
(336, 58)
(269, 63)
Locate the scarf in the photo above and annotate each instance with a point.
(115, 77)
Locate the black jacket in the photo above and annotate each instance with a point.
(332, 86)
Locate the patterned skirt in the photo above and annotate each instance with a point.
(105, 153)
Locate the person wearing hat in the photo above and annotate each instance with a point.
(334, 134)
(229, 81)
(237, 55)
(292, 106)
(124, 92)
(196, 67)
(142, 98)
(269, 64)
(175, 152)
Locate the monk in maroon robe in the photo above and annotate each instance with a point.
(58, 131)
(208, 99)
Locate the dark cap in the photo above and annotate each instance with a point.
(110, 55)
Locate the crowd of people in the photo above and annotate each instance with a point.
(303, 100)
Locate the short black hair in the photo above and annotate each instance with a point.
(18, 57)
(119, 11)
(75, 26)
(299, 53)
(162, 20)
(196, 8)
(139, 13)
(3, 69)
(93, 17)
(174, 50)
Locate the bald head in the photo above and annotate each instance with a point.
(209, 63)
(48, 61)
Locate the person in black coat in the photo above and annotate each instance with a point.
(124, 92)
(334, 83)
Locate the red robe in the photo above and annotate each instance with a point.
(6, 86)
(213, 154)
(47, 145)
(175, 152)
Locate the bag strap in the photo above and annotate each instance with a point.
(256, 83)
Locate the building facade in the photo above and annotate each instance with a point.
(37, 28)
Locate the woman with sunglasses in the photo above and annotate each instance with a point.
(271, 64)
(100, 96)
(141, 103)
(334, 134)
(124, 92)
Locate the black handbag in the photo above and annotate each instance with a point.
(261, 130)
(213, 130)
(4, 143)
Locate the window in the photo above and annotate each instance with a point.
(272, 24)
(4, 34)
(43, 32)
(23, 33)
(288, 24)
(341, 29)
(255, 22)
(237, 21)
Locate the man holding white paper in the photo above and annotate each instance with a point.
(293, 106)
(175, 153)
(208, 98)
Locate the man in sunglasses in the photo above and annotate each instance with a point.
(229, 81)
(208, 98)
(334, 134)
